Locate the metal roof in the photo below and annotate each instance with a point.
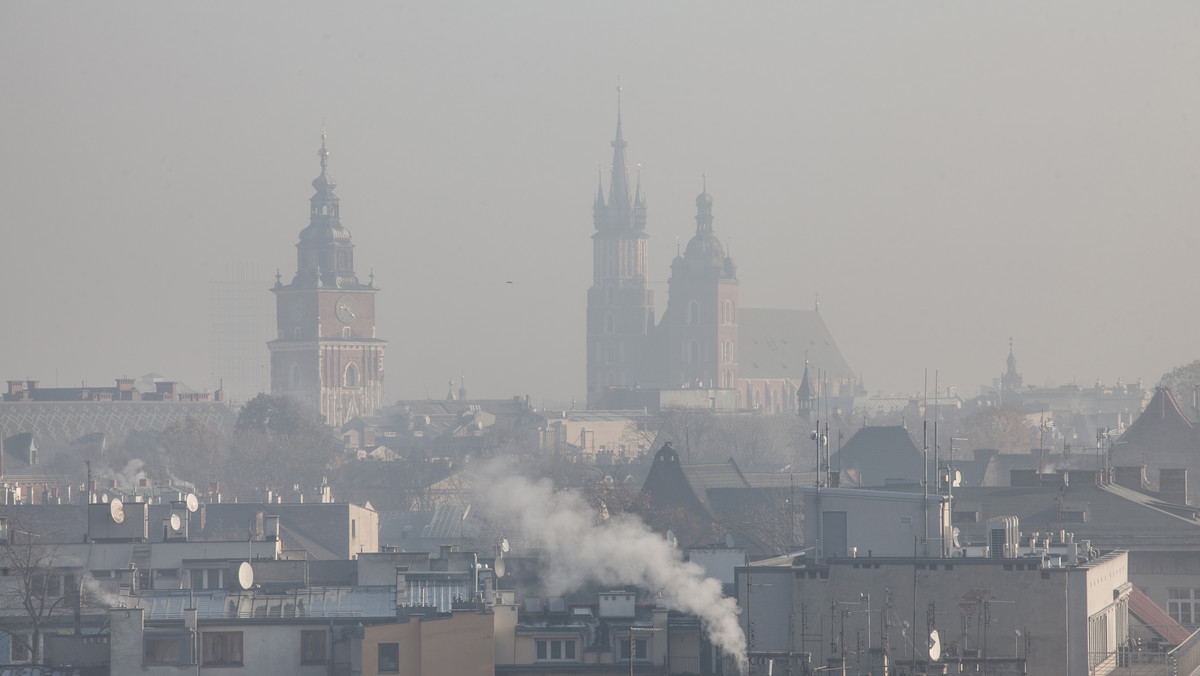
(310, 602)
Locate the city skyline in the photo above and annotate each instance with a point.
(940, 179)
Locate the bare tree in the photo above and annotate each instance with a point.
(35, 589)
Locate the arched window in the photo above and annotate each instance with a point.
(609, 323)
(693, 313)
(729, 352)
(352, 375)
(728, 312)
(294, 376)
(610, 295)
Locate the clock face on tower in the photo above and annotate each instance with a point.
(347, 309)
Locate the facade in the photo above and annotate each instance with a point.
(699, 343)
(1009, 615)
(326, 353)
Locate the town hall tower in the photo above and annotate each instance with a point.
(326, 353)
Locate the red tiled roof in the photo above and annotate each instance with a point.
(1155, 618)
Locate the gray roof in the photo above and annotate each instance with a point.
(56, 426)
(776, 343)
(876, 455)
(309, 602)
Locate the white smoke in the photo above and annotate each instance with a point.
(100, 594)
(619, 550)
(130, 475)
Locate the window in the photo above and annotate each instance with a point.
(1182, 605)
(312, 647)
(554, 649)
(609, 324)
(728, 312)
(693, 313)
(221, 648)
(20, 651)
(639, 648)
(159, 649)
(389, 658)
(346, 332)
(351, 376)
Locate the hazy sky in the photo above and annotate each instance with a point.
(940, 175)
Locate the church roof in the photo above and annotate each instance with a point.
(777, 343)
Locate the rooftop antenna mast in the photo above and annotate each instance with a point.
(925, 458)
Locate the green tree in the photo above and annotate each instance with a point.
(278, 442)
(1184, 383)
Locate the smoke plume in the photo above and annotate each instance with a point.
(580, 548)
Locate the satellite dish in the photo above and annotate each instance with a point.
(672, 540)
(500, 567)
(192, 503)
(935, 646)
(175, 522)
(504, 545)
(116, 510)
(245, 575)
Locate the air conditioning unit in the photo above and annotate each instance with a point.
(1004, 537)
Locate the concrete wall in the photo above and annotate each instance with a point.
(266, 648)
(463, 644)
(878, 523)
(768, 593)
(1050, 612)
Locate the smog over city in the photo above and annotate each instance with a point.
(674, 337)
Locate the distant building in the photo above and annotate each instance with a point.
(49, 432)
(705, 340)
(326, 353)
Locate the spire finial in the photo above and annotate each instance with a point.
(323, 153)
(619, 90)
(618, 188)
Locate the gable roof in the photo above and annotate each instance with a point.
(876, 455)
(777, 343)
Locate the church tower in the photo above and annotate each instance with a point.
(700, 323)
(326, 353)
(1011, 380)
(620, 303)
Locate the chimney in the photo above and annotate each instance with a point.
(1172, 486)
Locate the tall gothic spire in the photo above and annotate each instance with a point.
(618, 191)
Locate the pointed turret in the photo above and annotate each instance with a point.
(618, 190)
(1011, 380)
(325, 248)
